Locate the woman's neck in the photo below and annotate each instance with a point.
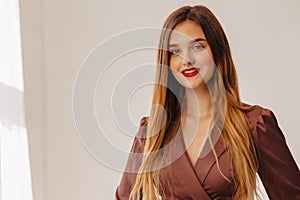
(197, 103)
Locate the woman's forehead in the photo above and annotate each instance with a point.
(185, 32)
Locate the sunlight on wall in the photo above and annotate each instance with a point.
(14, 164)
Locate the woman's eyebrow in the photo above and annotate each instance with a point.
(192, 41)
(197, 40)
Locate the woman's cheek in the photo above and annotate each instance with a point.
(180, 78)
(207, 70)
(174, 63)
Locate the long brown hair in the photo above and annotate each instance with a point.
(162, 125)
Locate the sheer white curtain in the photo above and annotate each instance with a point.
(14, 166)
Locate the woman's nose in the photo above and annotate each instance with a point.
(186, 58)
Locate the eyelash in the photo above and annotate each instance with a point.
(199, 46)
(194, 47)
(172, 52)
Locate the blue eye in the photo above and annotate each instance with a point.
(198, 47)
(174, 52)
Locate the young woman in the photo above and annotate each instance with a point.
(206, 143)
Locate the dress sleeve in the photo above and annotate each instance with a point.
(133, 163)
(277, 168)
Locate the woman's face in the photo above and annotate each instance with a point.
(191, 59)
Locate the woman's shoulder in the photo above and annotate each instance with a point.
(144, 121)
(262, 121)
(258, 116)
(253, 113)
(141, 133)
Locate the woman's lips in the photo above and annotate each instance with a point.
(190, 72)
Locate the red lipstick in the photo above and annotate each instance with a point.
(190, 72)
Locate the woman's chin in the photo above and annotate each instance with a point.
(192, 84)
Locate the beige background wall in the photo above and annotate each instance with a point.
(58, 34)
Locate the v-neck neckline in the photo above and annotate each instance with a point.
(191, 178)
(204, 163)
(206, 145)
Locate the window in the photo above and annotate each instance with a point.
(15, 181)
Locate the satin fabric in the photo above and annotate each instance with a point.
(181, 180)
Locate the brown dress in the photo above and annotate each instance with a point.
(277, 169)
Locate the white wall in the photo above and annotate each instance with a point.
(58, 35)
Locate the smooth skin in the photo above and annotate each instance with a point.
(189, 48)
